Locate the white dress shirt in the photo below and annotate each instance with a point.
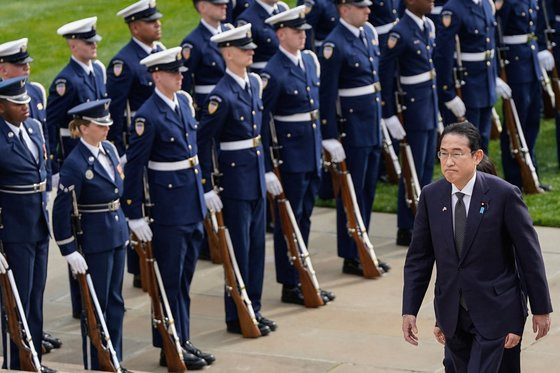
(28, 142)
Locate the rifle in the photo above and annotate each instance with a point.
(518, 145)
(459, 73)
(235, 286)
(496, 125)
(297, 249)
(16, 322)
(162, 318)
(95, 328)
(410, 178)
(210, 222)
(343, 186)
(554, 82)
(392, 164)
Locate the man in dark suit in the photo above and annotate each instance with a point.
(480, 258)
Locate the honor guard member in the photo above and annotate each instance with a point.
(474, 23)
(554, 19)
(291, 100)
(518, 21)
(24, 232)
(235, 8)
(202, 57)
(384, 15)
(262, 33)
(322, 16)
(408, 56)
(231, 121)
(164, 143)
(82, 80)
(350, 111)
(15, 62)
(129, 84)
(92, 175)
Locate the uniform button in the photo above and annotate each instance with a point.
(311, 101)
(213, 63)
(430, 60)
(333, 19)
(517, 58)
(150, 84)
(190, 147)
(170, 186)
(172, 139)
(356, 64)
(488, 63)
(323, 121)
(268, 40)
(381, 3)
(351, 110)
(196, 171)
(374, 72)
(254, 126)
(418, 51)
(523, 14)
(530, 10)
(232, 164)
(296, 92)
(377, 99)
(412, 99)
(488, 40)
(242, 118)
(187, 134)
(532, 47)
(371, 59)
(530, 23)
(288, 135)
(433, 86)
(445, 87)
(314, 125)
(116, 190)
(258, 152)
(476, 31)
(427, 47)
(307, 88)
(116, 217)
(253, 112)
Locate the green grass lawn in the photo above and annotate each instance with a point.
(38, 20)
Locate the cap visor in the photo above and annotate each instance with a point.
(103, 122)
(305, 26)
(20, 100)
(362, 4)
(248, 46)
(94, 39)
(218, 2)
(24, 61)
(153, 17)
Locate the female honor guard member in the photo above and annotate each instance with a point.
(291, 100)
(24, 231)
(164, 142)
(232, 121)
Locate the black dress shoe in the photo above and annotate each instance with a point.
(264, 321)
(235, 328)
(56, 342)
(124, 370)
(189, 347)
(137, 281)
(292, 294)
(45, 369)
(546, 187)
(76, 315)
(352, 267)
(191, 361)
(327, 295)
(384, 266)
(404, 236)
(46, 347)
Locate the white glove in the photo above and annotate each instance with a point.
(335, 149)
(141, 229)
(213, 201)
(502, 88)
(3, 264)
(122, 161)
(395, 127)
(54, 181)
(77, 262)
(273, 185)
(546, 59)
(457, 106)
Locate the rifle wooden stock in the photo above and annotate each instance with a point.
(297, 250)
(410, 178)
(235, 284)
(163, 322)
(213, 239)
(390, 158)
(92, 324)
(354, 222)
(28, 359)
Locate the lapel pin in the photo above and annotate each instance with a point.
(483, 206)
(444, 209)
(10, 134)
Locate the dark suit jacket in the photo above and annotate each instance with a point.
(499, 232)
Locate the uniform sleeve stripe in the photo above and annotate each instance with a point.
(65, 242)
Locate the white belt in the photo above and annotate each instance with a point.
(64, 132)
(318, 43)
(557, 18)
(174, 166)
(516, 39)
(383, 29)
(299, 117)
(419, 78)
(360, 91)
(258, 65)
(203, 89)
(241, 144)
(24, 189)
(478, 56)
(436, 10)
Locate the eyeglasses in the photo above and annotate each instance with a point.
(454, 155)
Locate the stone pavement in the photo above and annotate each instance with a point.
(359, 332)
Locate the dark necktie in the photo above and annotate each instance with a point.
(91, 77)
(460, 222)
(247, 89)
(275, 11)
(426, 31)
(29, 152)
(363, 37)
(178, 111)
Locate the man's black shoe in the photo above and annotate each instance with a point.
(292, 294)
(384, 266)
(56, 342)
(264, 321)
(328, 296)
(191, 361)
(235, 328)
(352, 267)
(137, 281)
(45, 369)
(46, 347)
(404, 236)
(189, 347)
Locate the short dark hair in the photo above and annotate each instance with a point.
(466, 129)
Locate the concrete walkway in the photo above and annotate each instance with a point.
(359, 332)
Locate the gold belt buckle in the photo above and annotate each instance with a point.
(376, 87)
(256, 141)
(314, 115)
(114, 205)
